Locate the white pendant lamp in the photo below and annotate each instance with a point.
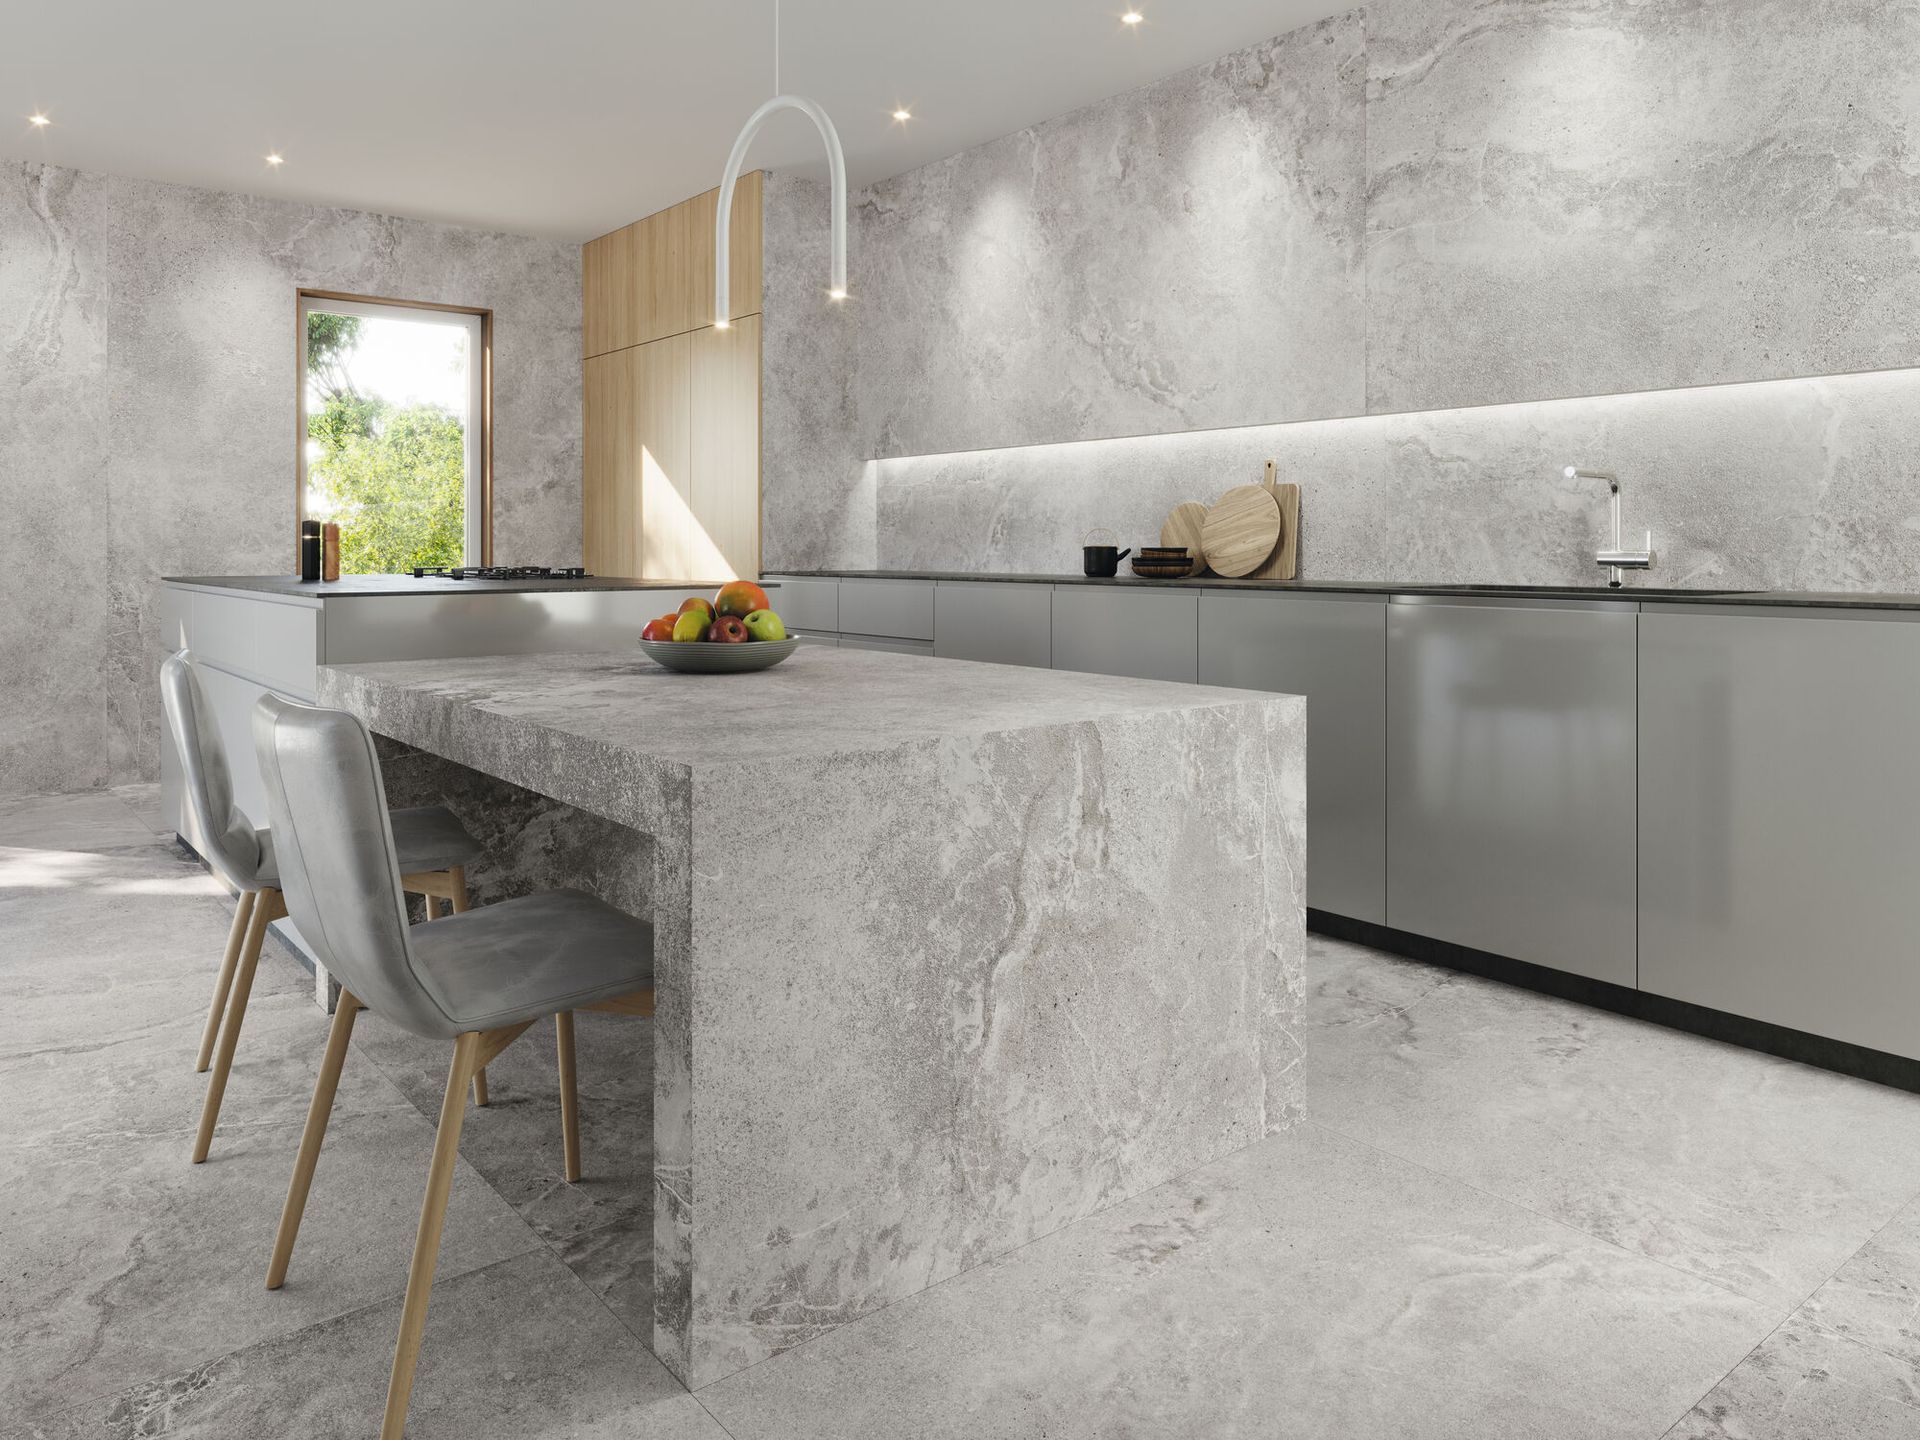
(837, 171)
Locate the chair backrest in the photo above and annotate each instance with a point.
(338, 870)
(231, 843)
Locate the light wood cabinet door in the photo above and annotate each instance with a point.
(725, 536)
(636, 512)
(744, 237)
(654, 278)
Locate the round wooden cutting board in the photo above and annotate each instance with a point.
(1241, 531)
(1183, 526)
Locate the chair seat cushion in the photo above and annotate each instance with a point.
(425, 837)
(529, 958)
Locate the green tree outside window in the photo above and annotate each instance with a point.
(393, 477)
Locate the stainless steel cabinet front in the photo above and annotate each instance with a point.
(1511, 780)
(1779, 844)
(808, 603)
(1333, 651)
(898, 609)
(1148, 634)
(1004, 622)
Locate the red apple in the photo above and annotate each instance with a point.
(741, 598)
(660, 629)
(728, 630)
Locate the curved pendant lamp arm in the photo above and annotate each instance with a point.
(723, 219)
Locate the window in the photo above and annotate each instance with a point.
(393, 440)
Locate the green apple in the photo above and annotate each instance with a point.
(765, 625)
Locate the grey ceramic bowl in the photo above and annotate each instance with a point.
(708, 657)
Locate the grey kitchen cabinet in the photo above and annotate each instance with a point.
(1333, 650)
(895, 609)
(1148, 634)
(1511, 779)
(807, 603)
(1005, 622)
(886, 642)
(1779, 844)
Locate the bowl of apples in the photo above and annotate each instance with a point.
(734, 632)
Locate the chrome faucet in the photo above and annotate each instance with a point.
(1614, 557)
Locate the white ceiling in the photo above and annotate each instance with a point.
(565, 118)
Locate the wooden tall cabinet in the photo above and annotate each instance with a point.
(671, 475)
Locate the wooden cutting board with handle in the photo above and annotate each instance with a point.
(1284, 562)
(1241, 530)
(1183, 526)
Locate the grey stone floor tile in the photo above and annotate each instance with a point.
(1760, 1174)
(1307, 1287)
(515, 1142)
(616, 1263)
(143, 799)
(1805, 1383)
(1875, 1297)
(124, 1261)
(114, 946)
(143, 1083)
(85, 820)
(519, 1349)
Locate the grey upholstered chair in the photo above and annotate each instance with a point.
(434, 849)
(478, 979)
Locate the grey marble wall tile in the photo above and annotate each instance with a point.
(816, 499)
(1791, 484)
(1187, 254)
(54, 627)
(1555, 199)
(1581, 196)
(148, 337)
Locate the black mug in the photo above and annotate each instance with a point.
(1102, 562)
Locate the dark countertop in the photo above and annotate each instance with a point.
(359, 585)
(1648, 594)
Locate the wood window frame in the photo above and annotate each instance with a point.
(300, 299)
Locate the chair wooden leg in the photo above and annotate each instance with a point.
(569, 1096)
(264, 911)
(236, 936)
(457, 874)
(426, 1247)
(431, 906)
(311, 1137)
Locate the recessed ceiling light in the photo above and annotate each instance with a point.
(903, 113)
(38, 120)
(276, 159)
(1132, 17)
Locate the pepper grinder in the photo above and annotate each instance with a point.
(330, 552)
(309, 551)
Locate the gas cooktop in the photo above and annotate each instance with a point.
(500, 572)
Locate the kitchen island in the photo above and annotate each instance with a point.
(947, 955)
(251, 634)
